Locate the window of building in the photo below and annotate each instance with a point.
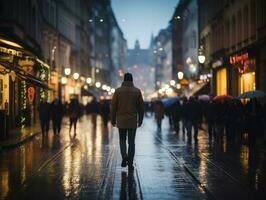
(233, 31)
(246, 22)
(253, 19)
(221, 82)
(239, 26)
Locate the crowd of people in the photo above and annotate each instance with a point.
(223, 117)
(55, 111)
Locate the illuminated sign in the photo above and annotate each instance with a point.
(31, 94)
(238, 58)
(11, 51)
(243, 63)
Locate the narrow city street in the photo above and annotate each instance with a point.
(166, 166)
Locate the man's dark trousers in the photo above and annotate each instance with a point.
(123, 134)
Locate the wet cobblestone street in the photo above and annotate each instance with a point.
(166, 166)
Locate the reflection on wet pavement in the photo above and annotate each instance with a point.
(166, 166)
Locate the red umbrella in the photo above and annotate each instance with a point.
(223, 98)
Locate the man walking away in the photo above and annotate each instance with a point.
(127, 110)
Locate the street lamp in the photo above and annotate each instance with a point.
(67, 71)
(201, 56)
(201, 59)
(76, 76)
(104, 87)
(180, 75)
(88, 80)
(64, 80)
(98, 84)
(172, 82)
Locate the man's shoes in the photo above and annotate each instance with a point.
(130, 167)
(124, 162)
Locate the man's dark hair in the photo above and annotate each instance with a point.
(128, 77)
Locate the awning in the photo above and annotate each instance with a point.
(205, 89)
(33, 80)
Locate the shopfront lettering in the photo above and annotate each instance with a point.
(243, 63)
(238, 58)
(11, 52)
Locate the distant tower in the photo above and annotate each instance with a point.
(137, 45)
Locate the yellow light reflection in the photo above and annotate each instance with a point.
(244, 156)
(10, 43)
(4, 184)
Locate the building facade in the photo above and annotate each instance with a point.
(185, 39)
(229, 33)
(162, 57)
(22, 69)
(140, 65)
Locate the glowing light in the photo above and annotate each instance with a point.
(108, 88)
(11, 43)
(85, 87)
(104, 87)
(172, 82)
(64, 80)
(201, 59)
(178, 86)
(98, 84)
(89, 80)
(169, 91)
(67, 71)
(180, 75)
(76, 76)
(112, 90)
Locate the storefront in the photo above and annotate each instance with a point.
(243, 66)
(221, 82)
(23, 81)
(220, 74)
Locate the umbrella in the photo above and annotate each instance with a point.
(252, 94)
(170, 101)
(222, 98)
(204, 97)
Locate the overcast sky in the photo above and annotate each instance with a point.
(138, 19)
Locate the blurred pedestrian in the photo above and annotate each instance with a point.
(159, 113)
(177, 111)
(209, 113)
(194, 115)
(94, 110)
(44, 115)
(127, 111)
(57, 113)
(105, 111)
(74, 113)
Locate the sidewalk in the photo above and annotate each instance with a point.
(19, 136)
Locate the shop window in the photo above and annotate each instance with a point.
(221, 82)
(247, 82)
